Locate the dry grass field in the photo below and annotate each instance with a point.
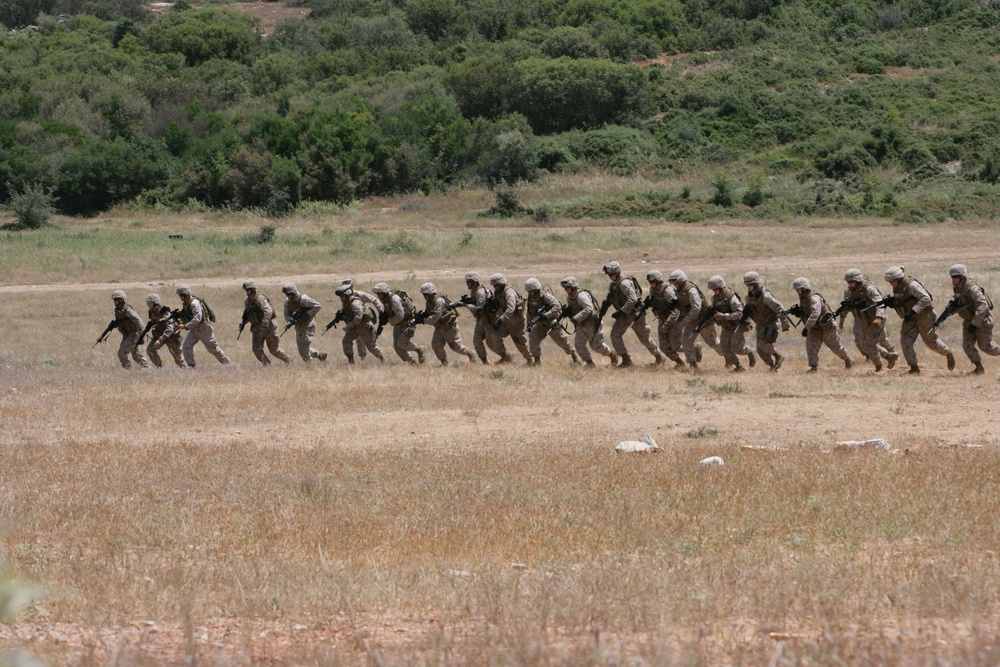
(475, 515)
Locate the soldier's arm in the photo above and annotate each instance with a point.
(816, 309)
(736, 306)
(134, 318)
(197, 314)
(436, 312)
(770, 301)
(923, 297)
(267, 312)
(398, 313)
(980, 305)
(510, 305)
(312, 305)
(631, 296)
(694, 299)
(550, 302)
(876, 296)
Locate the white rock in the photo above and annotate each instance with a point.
(635, 447)
(877, 444)
(711, 461)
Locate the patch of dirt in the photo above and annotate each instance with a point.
(269, 13)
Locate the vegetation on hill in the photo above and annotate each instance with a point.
(857, 106)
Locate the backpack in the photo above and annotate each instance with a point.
(408, 309)
(209, 313)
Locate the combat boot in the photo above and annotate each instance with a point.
(951, 361)
(350, 359)
(978, 370)
(420, 354)
(505, 358)
(813, 369)
(576, 357)
(660, 357)
(321, 356)
(751, 359)
(471, 355)
(678, 365)
(777, 361)
(590, 363)
(890, 359)
(626, 361)
(537, 361)
(737, 368)
(914, 370)
(693, 365)
(697, 352)
(878, 368)
(848, 362)
(486, 362)
(614, 358)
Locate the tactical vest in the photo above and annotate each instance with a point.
(723, 302)
(160, 316)
(368, 311)
(618, 299)
(684, 299)
(501, 298)
(408, 308)
(449, 317)
(906, 299)
(255, 314)
(487, 308)
(966, 306)
(125, 325)
(760, 313)
(187, 313)
(805, 302)
(574, 304)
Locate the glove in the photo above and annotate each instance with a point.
(909, 315)
(805, 332)
(785, 327)
(378, 332)
(617, 314)
(878, 322)
(972, 328)
(496, 325)
(383, 319)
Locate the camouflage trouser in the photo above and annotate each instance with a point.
(689, 337)
(586, 339)
(482, 337)
(869, 338)
(129, 346)
(451, 336)
(173, 344)
(364, 333)
(733, 343)
(514, 327)
(767, 335)
(262, 335)
(204, 334)
(820, 335)
(539, 332)
(670, 345)
(920, 325)
(983, 337)
(640, 327)
(303, 341)
(402, 341)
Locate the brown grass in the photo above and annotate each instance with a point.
(472, 515)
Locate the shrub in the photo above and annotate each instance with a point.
(32, 206)
(723, 190)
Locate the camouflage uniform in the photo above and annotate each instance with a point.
(914, 304)
(482, 335)
(365, 298)
(765, 312)
(130, 325)
(589, 331)
(164, 332)
(263, 330)
(546, 302)
(691, 306)
(509, 319)
(975, 309)
(728, 312)
(194, 319)
(305, 325)
(869, 325)
(445, 323)
(662, 296)
(399, 312)
(818, 325)
(359, 324)
(624, 292)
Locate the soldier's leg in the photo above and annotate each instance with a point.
(516, 329)
(535, 338)
(618, 330)
(494, 341)
(907, 338)
(212, 345)
(969, 346)
(726, 343)
(138, 355)
(984, 338)
(453, 336)
(274, 344)
(597, 343)
(479, 338)
(814, 341)
(688, 338)
(886, 342)
(437, 344)
(710, 335)
(367, 338)
(859, 337)
(154, 356)
(870, 335)
(561, 339)
(641, 328)
(362, 353)
(831, 338)
(257, 346)
(402, 342)
(123, 349)
(174, 346)
(766, 336)
(187, 347)
(581, 337)
(931, 338)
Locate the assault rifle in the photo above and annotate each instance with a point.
(339, 317)
(296, 316)
(417, 318)
(644, 306)
(888, 302)
(949, 310)
(152, 323)
(455, 304)
(705, 319)
(747, 312)
(104, 334)
(243, 322)
(604, 308)
(489, 305)
(794, 311)
(542, 312)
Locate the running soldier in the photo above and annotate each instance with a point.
(914, 304)
(359, 323)
(691, 306)
(196, 319)
(164, 331)
(258, 312)
(128, 322)
(624, 293)
(445, 323)
(477, 302)
(509, 318)
(974, 306)
(300, 312)
(817, 325)
(373, 300)
(583, 307)
(546, 309)
(663, 302)
(864, 300)
(728, 310)
(399, 311)
(766, 312)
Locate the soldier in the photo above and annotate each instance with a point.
(300, 311)
(544, 310)
(864, 300)
(257, 310)
(509, 318)
(128, 322)
(582, 306)
(445, 323)
(164, 331)
(399, 311)
(196, 319)
(817, 325)
(373, 300)
(765, 311)
(914, 304)
(663, 302)
(478, 302)
(359, 323)
(691, 305)
(728, 314)
(974, 306)
(624, 293)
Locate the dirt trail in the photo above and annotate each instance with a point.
(556, 271)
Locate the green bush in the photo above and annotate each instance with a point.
(32, 206)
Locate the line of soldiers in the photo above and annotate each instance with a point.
(686, 318)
